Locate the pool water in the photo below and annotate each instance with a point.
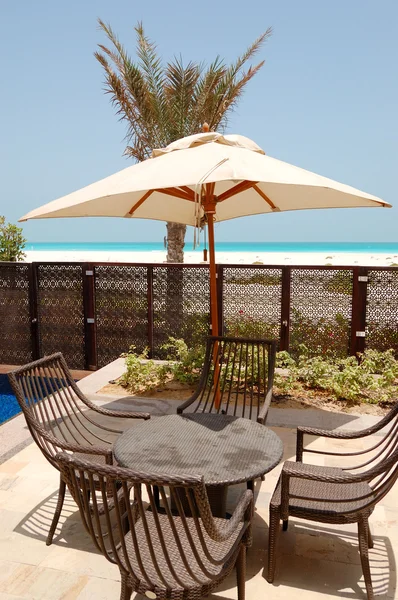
(9, 406)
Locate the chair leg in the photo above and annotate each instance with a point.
(127, 590)
(241, 572)
(58, 509)
(370, 539)
(274, 518)
(363, 538)
(285, 525)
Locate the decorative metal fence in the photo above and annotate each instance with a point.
(94, 312)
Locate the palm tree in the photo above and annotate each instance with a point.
(161, 104)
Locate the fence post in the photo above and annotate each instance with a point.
(34, 318)
(150, 311)
(285, 309)
(220, 298)
(358, 312)
(90, 326)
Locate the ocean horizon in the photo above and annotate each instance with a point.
(255, 247)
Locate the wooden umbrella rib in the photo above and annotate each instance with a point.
(237, 189)
(188, 190)
(185, 193)
(177, 193)
(265, 197)
(140, 201)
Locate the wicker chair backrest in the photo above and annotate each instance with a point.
(238, 374)
(376, 466)
(173, 549)
(380, 461)
(52, 403)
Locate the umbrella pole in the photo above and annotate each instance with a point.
(210, 209)
(213, 276)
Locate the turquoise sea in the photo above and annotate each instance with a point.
(329, 247)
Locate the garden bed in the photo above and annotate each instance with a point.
(303, 399)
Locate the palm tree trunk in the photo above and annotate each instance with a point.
(175, 279)
(175, 242)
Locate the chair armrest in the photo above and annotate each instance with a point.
(332, 433)
(188, 402)
(110, 413)
(245, 506)
(262, 415)
(121, 414)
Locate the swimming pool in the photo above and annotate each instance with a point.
(9, 406)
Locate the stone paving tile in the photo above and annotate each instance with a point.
(12, 467)
(316, 560)
(37, 583)
(98, 589)
(297, 573)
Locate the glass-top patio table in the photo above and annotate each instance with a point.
(226, 450)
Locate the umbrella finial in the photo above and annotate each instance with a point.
(205, 128)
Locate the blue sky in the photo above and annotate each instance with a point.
(326, 100)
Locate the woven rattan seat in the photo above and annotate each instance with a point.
(338, 495)
(60, 417)
(217, 550)
(323, 500)
(179, 554)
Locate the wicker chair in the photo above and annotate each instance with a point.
(52, 405)
(337, 495)
(164, 555)
(237, 378)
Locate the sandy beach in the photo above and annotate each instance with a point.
(195, 257)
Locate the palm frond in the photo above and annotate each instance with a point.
(161, 104)
(153, 70)
(126, 109)
(203, 98)
(120, 58)
(129, 92)
(234, 93)
(179, 89)
(228, 81)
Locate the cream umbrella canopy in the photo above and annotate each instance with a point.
(201, 179)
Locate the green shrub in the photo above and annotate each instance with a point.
(284, 360)
(141, 374)
(373, 378)
(328, 336)
(188, 362)
(315, 372)
(244, 325)
(12, 242)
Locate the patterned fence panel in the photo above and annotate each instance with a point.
(60, 312)
(181, 305)
(121, 308)
(143, 305)
(382, 310)
(15, 338)
(252, 301)
(320, 310)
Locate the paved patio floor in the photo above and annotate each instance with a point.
(314, 561)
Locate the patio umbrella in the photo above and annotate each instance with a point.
(204, 178)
